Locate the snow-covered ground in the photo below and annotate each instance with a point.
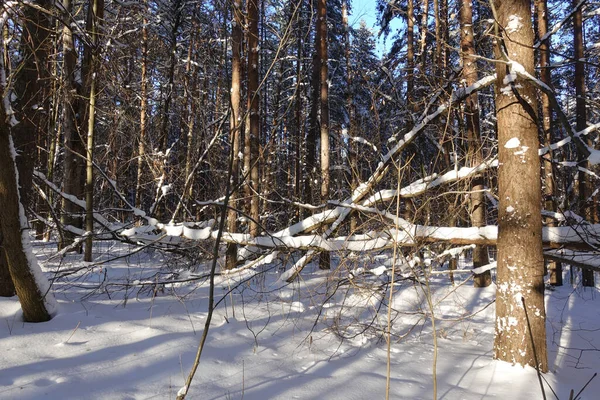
(322, 337)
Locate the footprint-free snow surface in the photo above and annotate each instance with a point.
(129, 329)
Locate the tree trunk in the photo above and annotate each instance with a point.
(313, 124)
(30, 108)
(74, 148)
(234, 125)
(554, 267)
(143, 109)
(520, 281)
(252, 138)
(424, 32)
(97, 14)
(298, 112)
(350, 110)
(477, 207)
(7, 287)
(580, 109)
(22, 264)
(55, 132)
(410, 52)
(324, 105)
(191, 101)
(32, 84)
(438, 37)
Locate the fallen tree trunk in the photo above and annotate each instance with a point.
(416, 235)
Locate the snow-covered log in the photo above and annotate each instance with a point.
(589, 260)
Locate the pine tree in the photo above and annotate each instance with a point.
(520, 314)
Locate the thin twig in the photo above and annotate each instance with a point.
(211, 293)
(584, 386)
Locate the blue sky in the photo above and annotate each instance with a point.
(366, 9)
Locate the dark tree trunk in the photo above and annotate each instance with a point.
(73, 183)
(31, 295)
(96, 15)
(313, 123)
(299, 131)
(7, 287)
(252, 139)
(31, 89)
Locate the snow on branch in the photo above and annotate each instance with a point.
(519, 69)
(358, 139)
(74, 199)
(408, 235)
(429, 182)
(337, 215)
(589, 260)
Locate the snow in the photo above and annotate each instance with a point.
(514, 24)
(594, 157)
(173, 229)
(165, 189)
(182, 391)
(282, 342)
(379, 270)
(197, 234)
(512, 143)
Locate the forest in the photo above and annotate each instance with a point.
(270, 184)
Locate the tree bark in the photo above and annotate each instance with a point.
(410, 52)
(14, 232)
(423, 39)
(554, 267)
(298, 111)
(96, 17)
(32, 92)
(477, 207)
(584, 184)
(520, 281)
(252, 138)
(350, 110)
(30, 108)
(310, 179)
(73, 182)
(324, 106)
(7, 287)
(143, 109)
(234, 125)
